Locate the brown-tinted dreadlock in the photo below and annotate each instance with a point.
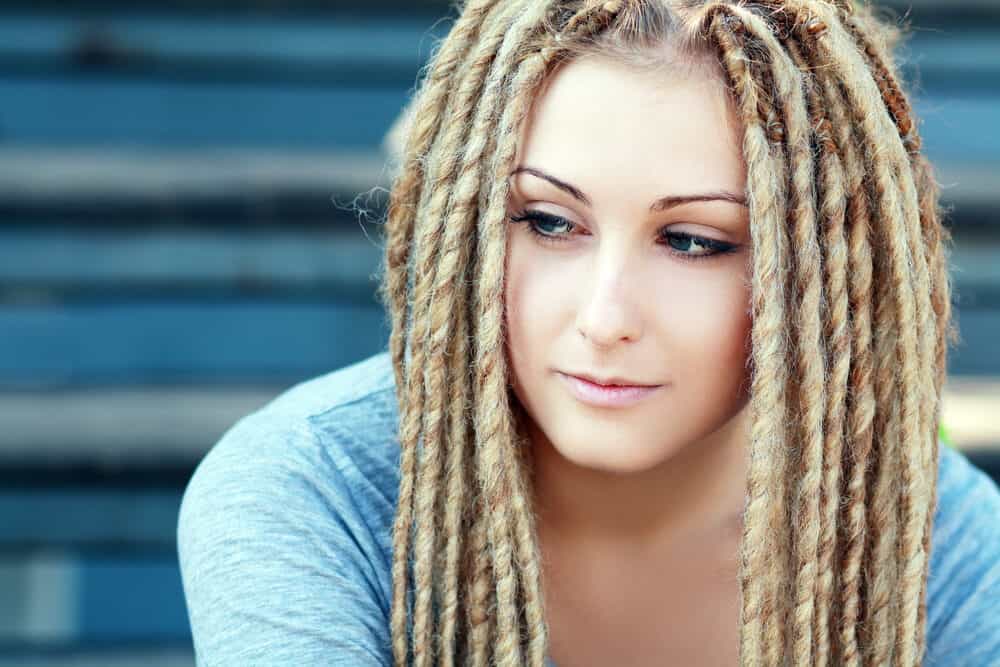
(851, 321)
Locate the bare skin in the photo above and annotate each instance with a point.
(678, 606)
(640, 505)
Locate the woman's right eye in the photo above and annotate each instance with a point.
(546, 226)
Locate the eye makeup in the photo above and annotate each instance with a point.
(544, 226)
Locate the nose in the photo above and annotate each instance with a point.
(609, 311)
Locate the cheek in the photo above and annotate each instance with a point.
(522, 324)
(708, 324)
(535, 295)
(525, 321)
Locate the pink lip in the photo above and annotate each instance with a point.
(605, 396)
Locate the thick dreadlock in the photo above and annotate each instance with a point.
(847, 374)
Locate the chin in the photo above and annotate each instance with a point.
(617, 453)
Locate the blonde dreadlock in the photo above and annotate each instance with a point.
(847, 374)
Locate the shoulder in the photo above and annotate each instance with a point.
(963, 586)
(356, 382)
(331, 433)
(289, 516)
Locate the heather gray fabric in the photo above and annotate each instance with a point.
(284, 536)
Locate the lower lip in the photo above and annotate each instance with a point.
(605, 396)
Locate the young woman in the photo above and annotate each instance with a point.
(670, 312)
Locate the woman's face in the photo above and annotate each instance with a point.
(627, 258)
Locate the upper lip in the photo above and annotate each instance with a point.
(614, 379)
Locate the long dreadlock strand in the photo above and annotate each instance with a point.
(912, 290)
(421, 230)
(860, 402)
(830, 181)
(810, 389)
(494, 428)
(441, 271)
(765, 532)
(406, 190)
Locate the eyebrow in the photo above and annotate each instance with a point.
(661, 204)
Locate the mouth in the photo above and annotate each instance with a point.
(610, 382)
(610, 395)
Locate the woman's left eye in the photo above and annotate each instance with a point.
(693, 246)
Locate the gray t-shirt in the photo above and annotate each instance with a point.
(285, 535)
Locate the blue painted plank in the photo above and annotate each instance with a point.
(89, 518)
(288, 40)
(959, 128)
(117, 260)
(123, 599)
(184, 115)
(70, 600)
(183, 341)
(978, 352)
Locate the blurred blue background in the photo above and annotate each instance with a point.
(180, 241)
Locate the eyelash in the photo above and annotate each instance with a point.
(534, 218)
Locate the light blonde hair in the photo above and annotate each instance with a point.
(851, 321)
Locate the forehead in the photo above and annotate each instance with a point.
(599, 119)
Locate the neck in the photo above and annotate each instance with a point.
(698, 488)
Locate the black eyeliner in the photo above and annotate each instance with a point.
(717, 247)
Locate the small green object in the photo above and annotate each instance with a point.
(943, 435)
